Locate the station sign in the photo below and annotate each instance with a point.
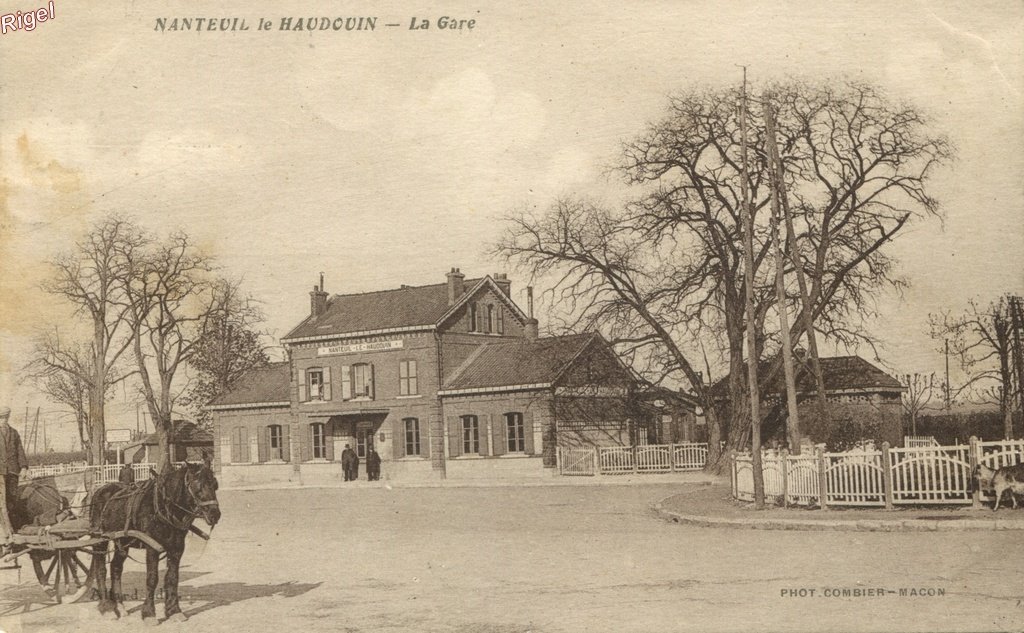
(119, 436)
(356, 348)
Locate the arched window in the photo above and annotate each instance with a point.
(470, 434)
(515, 432)
(472, 317)
(319, 442)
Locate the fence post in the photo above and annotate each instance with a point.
(671, 458)
(635, 468)
(822, 480)
(974, 458)
(886, 476)
(732, 473)
(785, 477)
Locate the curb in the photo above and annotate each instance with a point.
(860, 525)
(483, 483)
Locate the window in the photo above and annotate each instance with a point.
(362, 380)
(240, 445)
(492, 326)
(412, 436)
(514, 432)
(470, 434)
(315, 379)
(480, 324)
(319, 440)
(276, 442)
(408, 384)
(364, 441)
(472, 317)
(500, 329)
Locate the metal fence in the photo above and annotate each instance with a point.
(924, 475)
(621, 460)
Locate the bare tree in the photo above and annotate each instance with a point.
(983, 339)
(170, 301)
(229, 346)
(919, 391)
(88, 277)
(667, 267)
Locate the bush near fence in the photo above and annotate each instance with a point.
(899, 476)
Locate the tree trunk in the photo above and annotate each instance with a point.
(97, 427)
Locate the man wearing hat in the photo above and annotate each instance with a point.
(12, 463)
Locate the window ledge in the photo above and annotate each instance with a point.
(474, 456)
(318, 460)
(515, 455)
(411, 458)
(409, 397)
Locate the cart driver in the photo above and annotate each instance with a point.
(12, 464)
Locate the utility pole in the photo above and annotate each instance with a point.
(748, 251)
(793, 419)
(945, 395)
(1017, 322)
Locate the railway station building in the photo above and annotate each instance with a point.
(449, 380)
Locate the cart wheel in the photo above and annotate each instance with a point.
(63, 571)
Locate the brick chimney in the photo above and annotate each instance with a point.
(318, 299)
(531, 329)
(455, 285)
(502, 280)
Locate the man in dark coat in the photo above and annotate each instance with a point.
(348, 457)
(13, 463)
(372, 465)
(127, 475)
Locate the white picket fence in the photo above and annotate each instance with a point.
(101, 474)
(620, 460)
(922, 475)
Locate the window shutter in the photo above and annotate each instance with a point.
(499, 433)
(263, 442)
(305, 442)
(485, 428)
(528, 432)
(286, 447)
(454, 436)
(327, 383)
(399, 440)
(329, 441)
(303, 386)
(243, 443)
(236, 449)
(346, 382)
(425, 430)
(372, 387)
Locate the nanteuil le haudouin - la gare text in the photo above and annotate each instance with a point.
(307, 24)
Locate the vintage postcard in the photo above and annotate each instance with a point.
(511, 317)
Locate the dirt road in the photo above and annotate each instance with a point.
(547, 560)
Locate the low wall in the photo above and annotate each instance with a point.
(512, 468)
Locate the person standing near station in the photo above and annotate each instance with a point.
(348, 456)
(15, 463)
(372, 465)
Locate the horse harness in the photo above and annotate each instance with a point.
(136, 493)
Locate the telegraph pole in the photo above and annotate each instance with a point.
(945, 397)
(748, 251)
(793, 420)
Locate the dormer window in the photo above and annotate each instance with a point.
(472, 317)
(492, 325)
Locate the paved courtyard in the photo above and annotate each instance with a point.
(546, 560)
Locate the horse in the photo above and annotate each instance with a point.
(162, 510)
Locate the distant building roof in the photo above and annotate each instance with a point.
(519, 362)
(185, 434)
(380, 310)
(840, 373)
(268, 384)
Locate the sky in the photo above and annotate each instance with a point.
(386, 157)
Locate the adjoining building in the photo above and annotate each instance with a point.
(444, 380)
(863, 400)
